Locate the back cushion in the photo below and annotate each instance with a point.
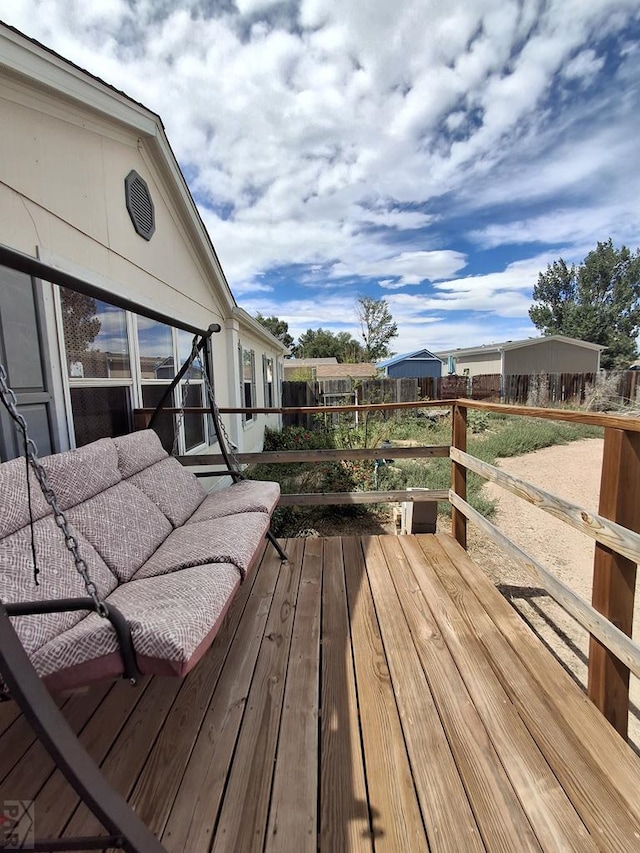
(78, 475)
(137, 451)
(14, 506)
(172, 488)
(58, 578)
(123, 525)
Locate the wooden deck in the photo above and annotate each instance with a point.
(373, 693)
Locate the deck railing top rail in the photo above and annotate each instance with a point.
(630, 424)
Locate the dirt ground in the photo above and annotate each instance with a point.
(570, 471)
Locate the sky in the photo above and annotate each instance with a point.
(437, 154)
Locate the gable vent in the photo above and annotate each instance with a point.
(139, 204)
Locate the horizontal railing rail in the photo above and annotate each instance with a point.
(322, 455)
(607, 532)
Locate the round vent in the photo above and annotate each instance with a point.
(139, 204)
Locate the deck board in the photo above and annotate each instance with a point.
(344, 813)
(294, 800)
(551, 813)
(375, 693)
(389, 779)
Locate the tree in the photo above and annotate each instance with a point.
(80, 322)
(322, 343)
(278, 328)
(598, 301)
(378, 327)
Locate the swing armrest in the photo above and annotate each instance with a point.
(65, 605)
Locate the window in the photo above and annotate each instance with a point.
(247, 381)
(116, 361)
(161, 348)
(95, 335)
(267, 372)
(98, 366)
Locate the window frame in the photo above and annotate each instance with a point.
(134, 382)
(248, 418)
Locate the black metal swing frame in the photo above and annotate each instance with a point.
(126, 830)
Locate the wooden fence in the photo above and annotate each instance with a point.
(540, 389)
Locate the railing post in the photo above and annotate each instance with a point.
(614, 576)
(459, 472)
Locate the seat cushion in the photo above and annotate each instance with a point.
(124, 527)
(173, 620)
(175, 491)
(245, 496)
(234, 539)
(137, 451)
(14, 504)
(58, 578)
(77, 475)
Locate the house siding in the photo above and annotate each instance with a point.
(63, 161)
(550, 357)
(489, 362)
(415, 367)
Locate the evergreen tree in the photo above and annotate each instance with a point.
(598, 301)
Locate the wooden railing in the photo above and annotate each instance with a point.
(615, 528)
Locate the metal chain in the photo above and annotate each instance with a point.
(193, 356)
(11, 404)
(237, 466)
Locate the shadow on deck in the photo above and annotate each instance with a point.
(373, 693)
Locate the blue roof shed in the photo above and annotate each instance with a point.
(412, 364)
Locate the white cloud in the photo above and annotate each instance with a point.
(409, 267)
(585, 65)
(350, 135)
(249, 7)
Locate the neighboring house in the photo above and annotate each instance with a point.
(296, 367)
(412, 364)
(89, 185)
(550, 354)
(327, 368)
(358, 370)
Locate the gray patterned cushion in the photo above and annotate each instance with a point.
(233, 539)
(78, 475)
(14, 508)
(124, 527)
(137, 451)
(58, 578)
(173, 489)
(245, 496)
(170, 617)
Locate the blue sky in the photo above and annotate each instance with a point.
(436, 154)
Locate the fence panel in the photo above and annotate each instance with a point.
(297, 395)
(486, 386)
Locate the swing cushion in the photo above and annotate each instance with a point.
(171, 487)
(124, 527)
(58, 578)
(234, 539)
(245, 496)
(138, 451)
(78, 475)
(125, 502)
(173, 620)
(14, 505)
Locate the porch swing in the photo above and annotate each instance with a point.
(232, 466)
(146, 623)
